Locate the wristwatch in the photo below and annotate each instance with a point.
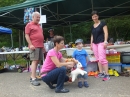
(105, 42)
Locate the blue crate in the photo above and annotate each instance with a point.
(92, 66)
(116, 66)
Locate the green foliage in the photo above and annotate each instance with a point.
(4, 3)
(118, 27)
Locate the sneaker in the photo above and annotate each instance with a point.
(86, 84)
(116, 73)
(34, 82)
(80, 85)
(106, 77)
(100, 75)
(61, 90)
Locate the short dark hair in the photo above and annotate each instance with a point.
(57, 39)
(94, 12)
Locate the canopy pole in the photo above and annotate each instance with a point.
(12, 40)
(41, 27)
(23, 39)
(40, 13)
(19, 39)
(92, 4)
(70, 32)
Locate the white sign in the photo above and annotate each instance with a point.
(42, 19)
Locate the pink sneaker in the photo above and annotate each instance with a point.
(106, 77)
(100, 75)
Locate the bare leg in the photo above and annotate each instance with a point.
(33, 69)
(105, 67)
(100, 67)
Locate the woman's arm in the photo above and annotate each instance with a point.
(60, 64)
(63, 59)
(105, 36)
(91, 39)
(105, 29)
(91, 42)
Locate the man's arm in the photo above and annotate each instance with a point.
(28, 39)
(27, 31)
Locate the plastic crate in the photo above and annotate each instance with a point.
(113, 58)
(116, 66)
(126, 67)
(92, 66)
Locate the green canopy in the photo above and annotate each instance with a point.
(63, 12)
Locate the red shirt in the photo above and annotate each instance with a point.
(35, 33)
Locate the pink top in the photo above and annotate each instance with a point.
(48, 64)
(35, 33)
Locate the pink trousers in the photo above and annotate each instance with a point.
(100, 53)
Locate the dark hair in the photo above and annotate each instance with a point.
(94, 12)
(57, 39)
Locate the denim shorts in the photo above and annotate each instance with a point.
(85, 76)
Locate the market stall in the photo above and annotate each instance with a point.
(113, 56)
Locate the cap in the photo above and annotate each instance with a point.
(78, 40)
(50, 29)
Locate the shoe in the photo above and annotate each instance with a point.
(89, 73)
(31, 79)
(50, 85)
(80, 85)
(61, 90)
(106, 77)
(96, 73)
(92, 73)
(99, 75)
(34, 82)
(116, 73)
(110, 71)
(86, 84)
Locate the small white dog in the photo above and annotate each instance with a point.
(77, 71)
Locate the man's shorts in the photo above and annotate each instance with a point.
(36, 54)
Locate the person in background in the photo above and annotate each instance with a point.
(53, 70)
(49, 40)
(35, 38)
(81, 55)
(51, 34)
(99, 37)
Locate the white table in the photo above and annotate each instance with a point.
(15, 52)
(119, 48)
(14, 55)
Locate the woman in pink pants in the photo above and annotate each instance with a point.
(99, 43)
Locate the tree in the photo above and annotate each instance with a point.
(4, 3)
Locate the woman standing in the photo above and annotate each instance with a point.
(99, 43)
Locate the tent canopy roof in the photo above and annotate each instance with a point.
(65, 12)
(4, 30)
